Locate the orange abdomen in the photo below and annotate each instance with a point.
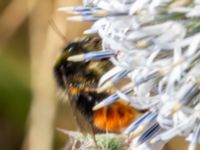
(115, 117)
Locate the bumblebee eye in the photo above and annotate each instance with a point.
(74, 48)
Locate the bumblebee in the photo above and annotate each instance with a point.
(80, 80)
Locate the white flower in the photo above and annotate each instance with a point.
(157, 43)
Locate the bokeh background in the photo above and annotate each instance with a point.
(30, 110)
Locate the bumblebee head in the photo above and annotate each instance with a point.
(83, 45)
(77, 73)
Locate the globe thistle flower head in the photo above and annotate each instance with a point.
(156, 45)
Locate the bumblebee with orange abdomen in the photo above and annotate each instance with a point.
(80, 81)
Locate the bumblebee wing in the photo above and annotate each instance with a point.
(83, 124)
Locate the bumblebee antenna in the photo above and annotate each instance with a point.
(57, 30)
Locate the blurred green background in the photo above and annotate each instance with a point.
(15, 93)
(20, 23)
